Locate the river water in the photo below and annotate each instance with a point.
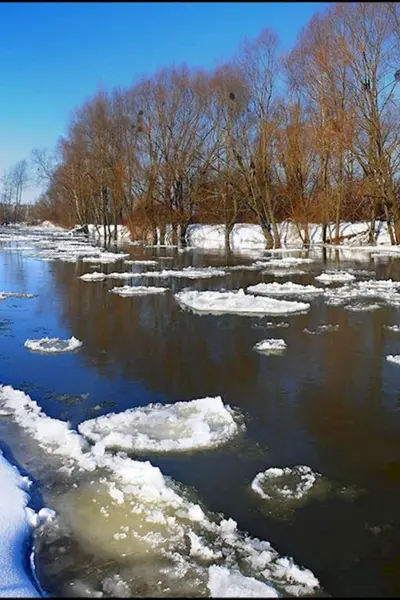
(331, 401)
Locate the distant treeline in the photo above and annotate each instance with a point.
(311, 136)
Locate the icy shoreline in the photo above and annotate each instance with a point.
(15, 529)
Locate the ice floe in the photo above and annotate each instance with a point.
(95, 276)
(381, 289)
(53, 345)
(230, 583)
(360, 307)
(284, 272)
(321, 328)
(140, 290)
(237, 302)
(395, 328)
(393, 358)
(141, 262)
(127, 509)
(289, 483)
(283, 289)
(289, 261)
(183, 426)
(188, 272)
(121, 275)
(329, 277)
(5, 295)
(271, 346)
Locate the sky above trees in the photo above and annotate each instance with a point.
(55, 55)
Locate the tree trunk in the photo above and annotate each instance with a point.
(162, 234)
(266, 229)
(306, 236)
(155, 235)
(371, 233)
(174, 234)
(324, 230)
(228, 230)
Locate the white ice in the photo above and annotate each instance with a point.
(188, 272)
(289, 483)
(140, 290)
(53, 345)
(141, 262)
(230, 583)
(335, 277)
(395, 359)
(121, 275)
(271, 346)
(395, 328)
(183, 426)
(129, 508)
(237, 302)
(95, 276)
(283, 289)
(321, 328)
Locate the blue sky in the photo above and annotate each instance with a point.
(55, 55)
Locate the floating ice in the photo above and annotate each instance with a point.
(359, 307)
(284, 272)
(381, 289)
(229, 583)
(121, 275)
(53, 345)
(5, 295)
(189, 272)
(283, 289)
(321, 329)
(395, 328)
(271, 346)
(237, 302)
(127, 508)
(289, 261)
(95, 276)
(193, 425)
(393, 358)
(141, 262)
(335, 277)
(140, 290)
(284, 484)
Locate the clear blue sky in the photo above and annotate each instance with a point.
(53, 56)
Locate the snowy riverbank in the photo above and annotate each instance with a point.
(14, 533)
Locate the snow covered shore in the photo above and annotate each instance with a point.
(14, 533)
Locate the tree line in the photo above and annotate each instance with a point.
(311, 136)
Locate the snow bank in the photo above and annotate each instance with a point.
(127, 508)
(123, 232)
(140, 290)
(237, 302)
(53, 345)
(14, 533)
(329, 277)
(95, 276)
(187, 272)
(271, 346)
(284, 484)
(192, 425)
(283, 289)
(213, 236)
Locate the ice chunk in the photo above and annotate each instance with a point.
(121, 275)
(230, 583)
(95, 276)
(5, 295)
(359, 307)
(395, 328)
(141, 262)
(188, 272)
(321, 328)
(285, 484)
(289, 261)
(394, 359)
(140, 290)
(329, 277)
(237, 302)
(284, 272)
(271, 346)
(183, 426)
(53, 345)
(283, 289)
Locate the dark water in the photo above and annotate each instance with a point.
(331, 401)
